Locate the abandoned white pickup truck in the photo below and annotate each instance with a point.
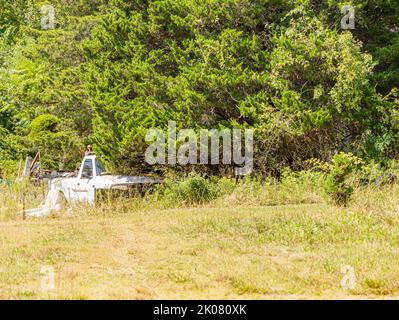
(86, 187)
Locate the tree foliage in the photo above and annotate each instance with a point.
(113, 69)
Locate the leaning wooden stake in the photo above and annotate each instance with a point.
(23, 201)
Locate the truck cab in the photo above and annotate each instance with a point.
(91, 179)
(90, 168)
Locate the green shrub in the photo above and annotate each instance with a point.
(43, 124)
(336, 187)
(8, 169)
(195, 189)
(60, 145)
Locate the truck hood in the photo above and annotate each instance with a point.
(125, 180)
(104, 182)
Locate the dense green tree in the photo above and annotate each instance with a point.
(41, 72)
(224, 64)
(110, 70)
(376, 26)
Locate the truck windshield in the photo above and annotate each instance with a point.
(99, 168)
(87, 171)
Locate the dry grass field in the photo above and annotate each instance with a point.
(218, 251)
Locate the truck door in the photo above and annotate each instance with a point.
(83, 186)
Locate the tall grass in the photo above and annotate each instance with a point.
(304, 187)
(17, 196)
(293, 188)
